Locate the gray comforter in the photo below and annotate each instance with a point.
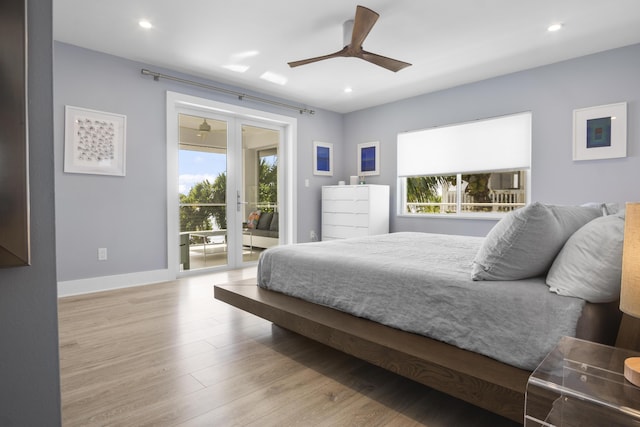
(421, 283)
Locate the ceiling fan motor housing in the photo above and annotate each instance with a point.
(347, 30)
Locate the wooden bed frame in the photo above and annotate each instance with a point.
(477, 379)
(469, 376)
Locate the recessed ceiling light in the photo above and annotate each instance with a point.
(274, 78)
(236, 67)
(145, 24)
(348, 89)
(555, 27)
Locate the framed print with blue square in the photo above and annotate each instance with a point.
(322, 158)
(600, 132)
(369, 158)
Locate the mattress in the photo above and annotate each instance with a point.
(421, 283)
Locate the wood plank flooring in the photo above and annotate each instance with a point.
(169, 354)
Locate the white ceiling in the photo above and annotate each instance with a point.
(449, 42)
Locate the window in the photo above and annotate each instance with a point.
(465, 193)
(469, 168)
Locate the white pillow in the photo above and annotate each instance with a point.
(589, 266)
(525, 242)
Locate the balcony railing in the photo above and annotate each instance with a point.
(500, 201)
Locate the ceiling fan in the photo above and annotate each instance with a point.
(355, 31)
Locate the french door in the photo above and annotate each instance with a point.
(229, 189)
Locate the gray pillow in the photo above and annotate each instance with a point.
(607, 208)
(589, 266)
(275, 222)
(265, 221)
(525, 242)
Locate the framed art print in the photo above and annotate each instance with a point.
(600, 132)
(369, 158)
(322, 158)
(94, 142)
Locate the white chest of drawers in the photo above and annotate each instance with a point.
(354, 210)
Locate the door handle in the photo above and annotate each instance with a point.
(239, 201)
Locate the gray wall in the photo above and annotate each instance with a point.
(29, 373)
(552, 93)
(127, 214)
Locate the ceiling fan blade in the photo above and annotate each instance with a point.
(388, 63)
(337, 54)
(363, 23)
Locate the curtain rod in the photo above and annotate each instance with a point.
(241, 96)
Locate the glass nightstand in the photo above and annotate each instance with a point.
(581, 383)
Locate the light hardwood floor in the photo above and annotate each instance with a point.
(171, 355)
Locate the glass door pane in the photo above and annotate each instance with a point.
(202, 172)
(259, 190)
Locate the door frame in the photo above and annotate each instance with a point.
(178, 103)
(238, 181)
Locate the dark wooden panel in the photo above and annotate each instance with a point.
(14, 182)
(469, 376)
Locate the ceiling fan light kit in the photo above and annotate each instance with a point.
(204, 126)
(355, 31)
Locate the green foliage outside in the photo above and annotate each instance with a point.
(478, 189)
(424, 189)
(268, 183)
(197, 218)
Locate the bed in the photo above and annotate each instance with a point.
(469, 316)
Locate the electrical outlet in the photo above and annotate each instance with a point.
(102, 254)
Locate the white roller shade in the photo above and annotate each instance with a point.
(501, 143)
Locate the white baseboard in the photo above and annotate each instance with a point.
(106, 283)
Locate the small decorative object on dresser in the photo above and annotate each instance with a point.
(354, 210)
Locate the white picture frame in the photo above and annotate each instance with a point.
(600, 132)
(322, 158)
(94, 142)
(369, 158)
